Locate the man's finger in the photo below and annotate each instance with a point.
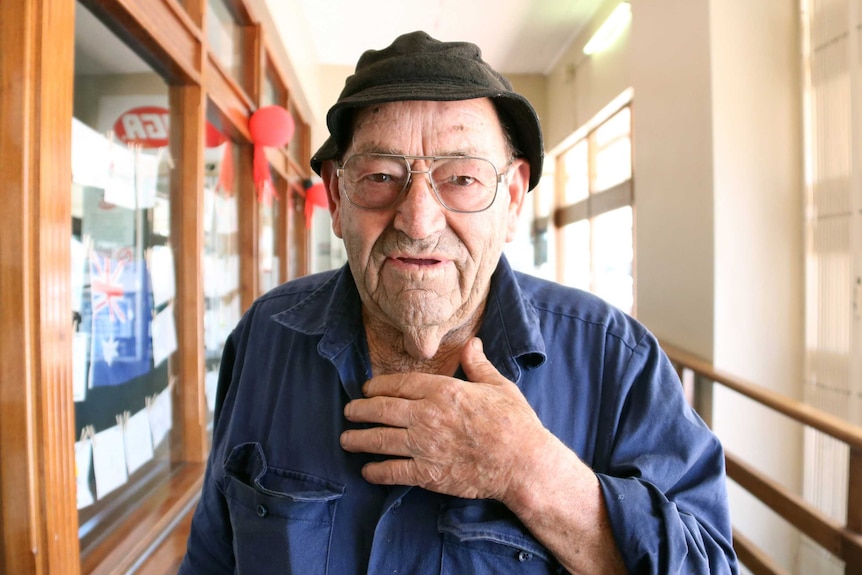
(377, 440)
(404, 385)
(392, 411)
(391, 472)
(476, 365)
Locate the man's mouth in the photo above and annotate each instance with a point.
(419, 261)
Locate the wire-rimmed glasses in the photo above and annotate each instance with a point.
(464, 184)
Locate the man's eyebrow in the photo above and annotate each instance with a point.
(372, 148)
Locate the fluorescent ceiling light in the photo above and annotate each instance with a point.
(608, 32)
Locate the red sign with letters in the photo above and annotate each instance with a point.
(145, 126)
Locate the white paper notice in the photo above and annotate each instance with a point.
(139, 441)
(162, 273)
(89, 150)
(210, 387)
(147, 177)
(226, 215)
(161, 419)
(164, 331)
(109, 460)
(120, 187)
(80, 355)
(83, 464)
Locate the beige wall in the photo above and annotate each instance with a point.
(759, 301)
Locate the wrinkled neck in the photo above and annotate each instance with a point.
(426, 349)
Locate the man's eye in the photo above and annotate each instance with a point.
(379, 178)
(460, 181)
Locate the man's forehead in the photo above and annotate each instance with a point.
(482, 109)
(465, 120)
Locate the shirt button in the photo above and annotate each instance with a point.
(262, 511)
(524, 556)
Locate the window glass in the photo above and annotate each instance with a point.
(294, 146)
(123, 286)
(576, 271)
(271, 95)
(576, 173)
(596, 215)
(221, 249)
(613, 165)
(613, 151)
(612, 257)
(296, 242)
(225, 38)
(268, 260)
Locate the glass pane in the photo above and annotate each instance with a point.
(225, 38)
(268, 262)
(296, 246)
(612, 257)
(612, 151)
(576, 173)
(221, 252)
(294, 146)
(613, 165)
(576, 247)
(615, 127)
(271, 95)
(123, 284)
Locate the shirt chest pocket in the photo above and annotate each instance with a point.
(484, 537)
(282, 519)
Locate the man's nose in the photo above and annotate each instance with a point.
(419, 214)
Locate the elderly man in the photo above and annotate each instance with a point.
(426, 409)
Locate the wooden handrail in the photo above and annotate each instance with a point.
(827, 423)
(843, 541)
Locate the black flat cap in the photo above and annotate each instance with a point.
(418, 67)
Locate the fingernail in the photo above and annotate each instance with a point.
(477, 343)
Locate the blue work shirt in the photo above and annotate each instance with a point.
(280, 495)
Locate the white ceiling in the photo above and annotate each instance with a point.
(516, 36)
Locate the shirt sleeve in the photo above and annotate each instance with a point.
(663, 479)
(210, 545)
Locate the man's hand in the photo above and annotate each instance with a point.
(472, 439)
(481, 439)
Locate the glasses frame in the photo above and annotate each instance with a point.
(339, 172)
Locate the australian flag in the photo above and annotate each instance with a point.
(121, 309)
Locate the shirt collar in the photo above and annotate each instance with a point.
(510, 329)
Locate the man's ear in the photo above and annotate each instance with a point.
(519, 182)
(330, 180)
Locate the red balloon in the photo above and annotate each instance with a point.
(316, 195)
(214, 137)
(271, 126)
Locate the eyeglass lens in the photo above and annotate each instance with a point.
(463, 184)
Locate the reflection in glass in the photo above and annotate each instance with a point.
(271, 95)
(225, 38)
(221, 256)
(268, 253)
(123, 288)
